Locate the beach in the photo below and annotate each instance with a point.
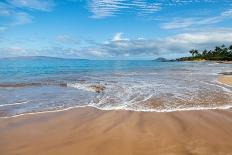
(172, 108)
(116, 77)
(96, 132)
(226, 79)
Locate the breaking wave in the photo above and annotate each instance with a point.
(149, 88)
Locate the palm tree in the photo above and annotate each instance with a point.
(230, 48)
(194, 52)
(205, 53)
(219, 53)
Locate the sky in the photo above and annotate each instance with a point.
(113, 29)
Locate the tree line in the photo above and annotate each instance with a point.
(220, 53)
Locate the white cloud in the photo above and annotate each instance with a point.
(119, 47)
(118, 37)
(13, 16)
(180, 43)
(202, 38)
(13, 51)
(227, 13)
(42, 5)
(106, 8)
(179, 23)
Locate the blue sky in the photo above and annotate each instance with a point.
(112, 29)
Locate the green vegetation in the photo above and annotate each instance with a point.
(220, 53)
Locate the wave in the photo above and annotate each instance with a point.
(225, 107)
(219, 85)
(33, 84)
(134, 74)
(13, 104)
(87, 87)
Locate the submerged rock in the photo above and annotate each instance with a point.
(98, 88)
(226, 73)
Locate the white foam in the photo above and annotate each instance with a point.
(109, 108)
(85, 87)
(12, 104)
(219, 86)
(127, 93)
(135, 73)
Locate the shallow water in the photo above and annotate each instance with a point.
(47, 84)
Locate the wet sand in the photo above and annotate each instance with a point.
(89, 131)
(226, 79)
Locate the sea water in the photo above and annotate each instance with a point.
(42, 84)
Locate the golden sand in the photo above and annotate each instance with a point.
(88, 131)
(226, 79)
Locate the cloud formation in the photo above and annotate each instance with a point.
(18, 12)
(180, 43)
(42, 5)
(107, 8)
(119, 47)
(179, 23)
(118, 37)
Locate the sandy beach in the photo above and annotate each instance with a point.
(90, 131)
(116, 77)
(95, 132)
(226, 79)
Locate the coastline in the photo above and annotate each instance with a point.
(92, 131)
(203, 60)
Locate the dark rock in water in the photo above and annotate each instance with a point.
(63, 84)
(160, 59)
(98, 88)
(226, 73)
(18, 85)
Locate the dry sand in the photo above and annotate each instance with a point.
(226, 79)
(89, 131)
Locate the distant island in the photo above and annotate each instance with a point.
(161, 59)
(220, 53)
(38, 58)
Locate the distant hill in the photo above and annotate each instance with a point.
(39, 58)
(161, 59)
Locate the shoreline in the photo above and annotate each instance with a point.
(224, 78)
(225, 107)
(92, 131)
(202, 60)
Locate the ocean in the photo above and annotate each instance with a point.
(43, 84)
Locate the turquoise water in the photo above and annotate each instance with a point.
(37, 84)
